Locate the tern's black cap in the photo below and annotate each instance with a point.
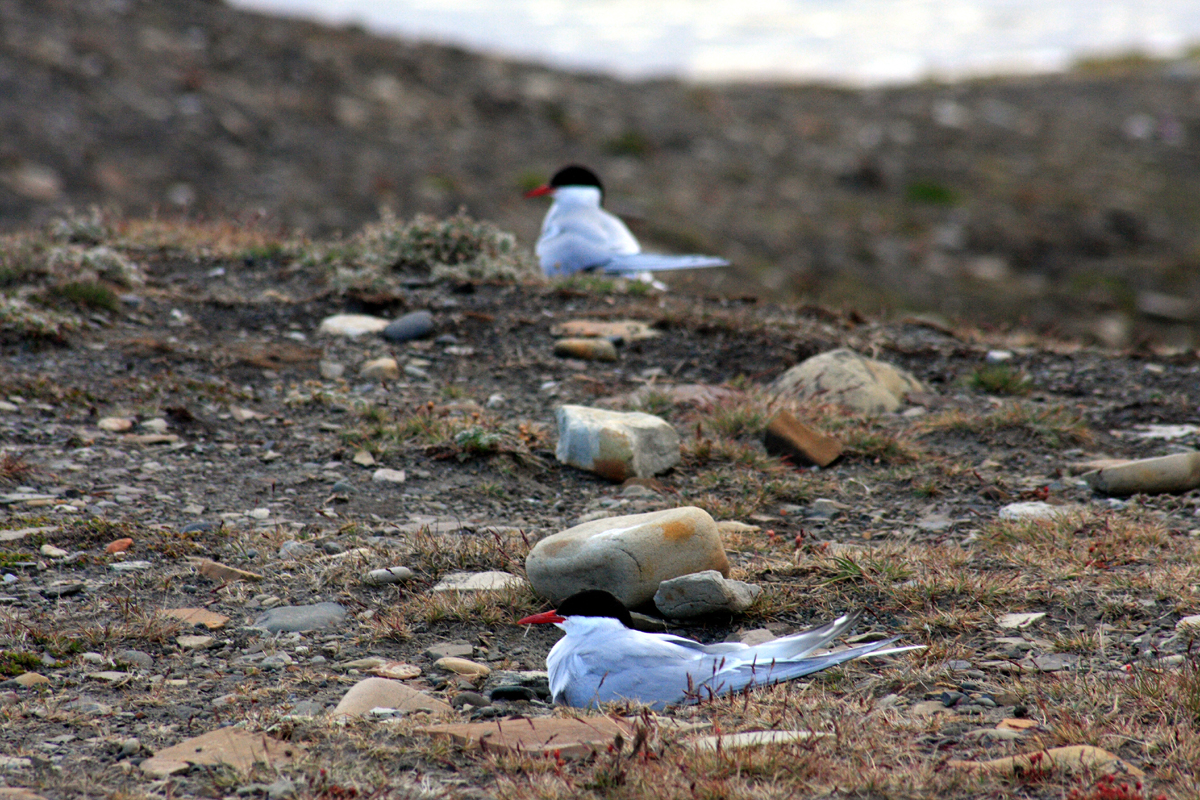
(575, 175)
(594, 603)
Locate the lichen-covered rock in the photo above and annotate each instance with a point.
(615, 445)
(845, 378)
(628, 556)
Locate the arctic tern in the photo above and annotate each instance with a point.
(602, 658)
(578, 235)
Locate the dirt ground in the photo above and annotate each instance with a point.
(242, 440)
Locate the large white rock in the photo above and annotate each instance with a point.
(615, 445)
(628, 556)
(844, 377)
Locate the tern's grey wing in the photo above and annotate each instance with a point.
(734, 679)
(654, 262)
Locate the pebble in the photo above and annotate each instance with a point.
(389, 476)
(513, 693)
(351, 325)
(470, 699)
(1035, 509)
(50, 551)
(414, 325)
(1171, 474)
(371, 693)
(130, 566)
(381, 577)
(449, 650)
(131, 747)
(294, 550)
(628, 556)
(301, 618)
(615, 445)
(845, 378)
(491, 580)
(703, 593)
(380, 369)
(134, 658)
(586, 349)
(62, 589)
(195, 642)
(462, 666)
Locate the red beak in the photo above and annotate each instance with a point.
(542, 618)
(539, 191)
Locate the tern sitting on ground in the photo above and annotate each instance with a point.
(578, 235)
(603, 658)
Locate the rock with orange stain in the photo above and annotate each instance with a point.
(119, 546)
(615, 445)
(628, 556)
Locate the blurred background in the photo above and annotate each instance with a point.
(1001, 162)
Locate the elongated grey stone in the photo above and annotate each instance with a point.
(300, 618)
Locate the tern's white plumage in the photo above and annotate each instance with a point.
(579, 235)
(602, 659)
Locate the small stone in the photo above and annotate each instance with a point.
(491, 580)
(62, 589)
(414, 325)
(133, 658)
(788, 436)
(615, 445)
(380, 369)
(294, 550)
(462, 666)
(108, 676)
(131, 747)
(1035, 509)
(702, 593)
(331, 370)
(396, 670)
(565, 738)
(364, 458)
(259, 513)
(301, 618)
(951, 699)
(473, 699)
(50, 551)
(998, 356)
(119, 546)
(586, 349)
(381, 577)
(382, 693)
(1189, 624)
(115, 424)
(157, 425)
(513, 693)
(449, 650)
(389, 476)
(220, 572)
(351, 325)
(1171, 474)
(1019, 620)
(628, 556)
(195, 642)
(130, 566)
(31, 679)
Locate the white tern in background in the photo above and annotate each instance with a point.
(578, 235)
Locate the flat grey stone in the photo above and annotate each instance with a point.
(491, 580)
(450, 650)
(300, 618)
(381, 577)
(703, 593)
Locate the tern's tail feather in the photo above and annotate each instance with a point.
(653, 262)
(728, 681)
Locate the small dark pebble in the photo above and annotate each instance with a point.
(343, 487)
(415, 325)
(199, 527)
(446, 338)
(1020, 712)
(968, 686)
(513, 693)
(951, 699)
(332, 548)
(469, 699)
(986, 701)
